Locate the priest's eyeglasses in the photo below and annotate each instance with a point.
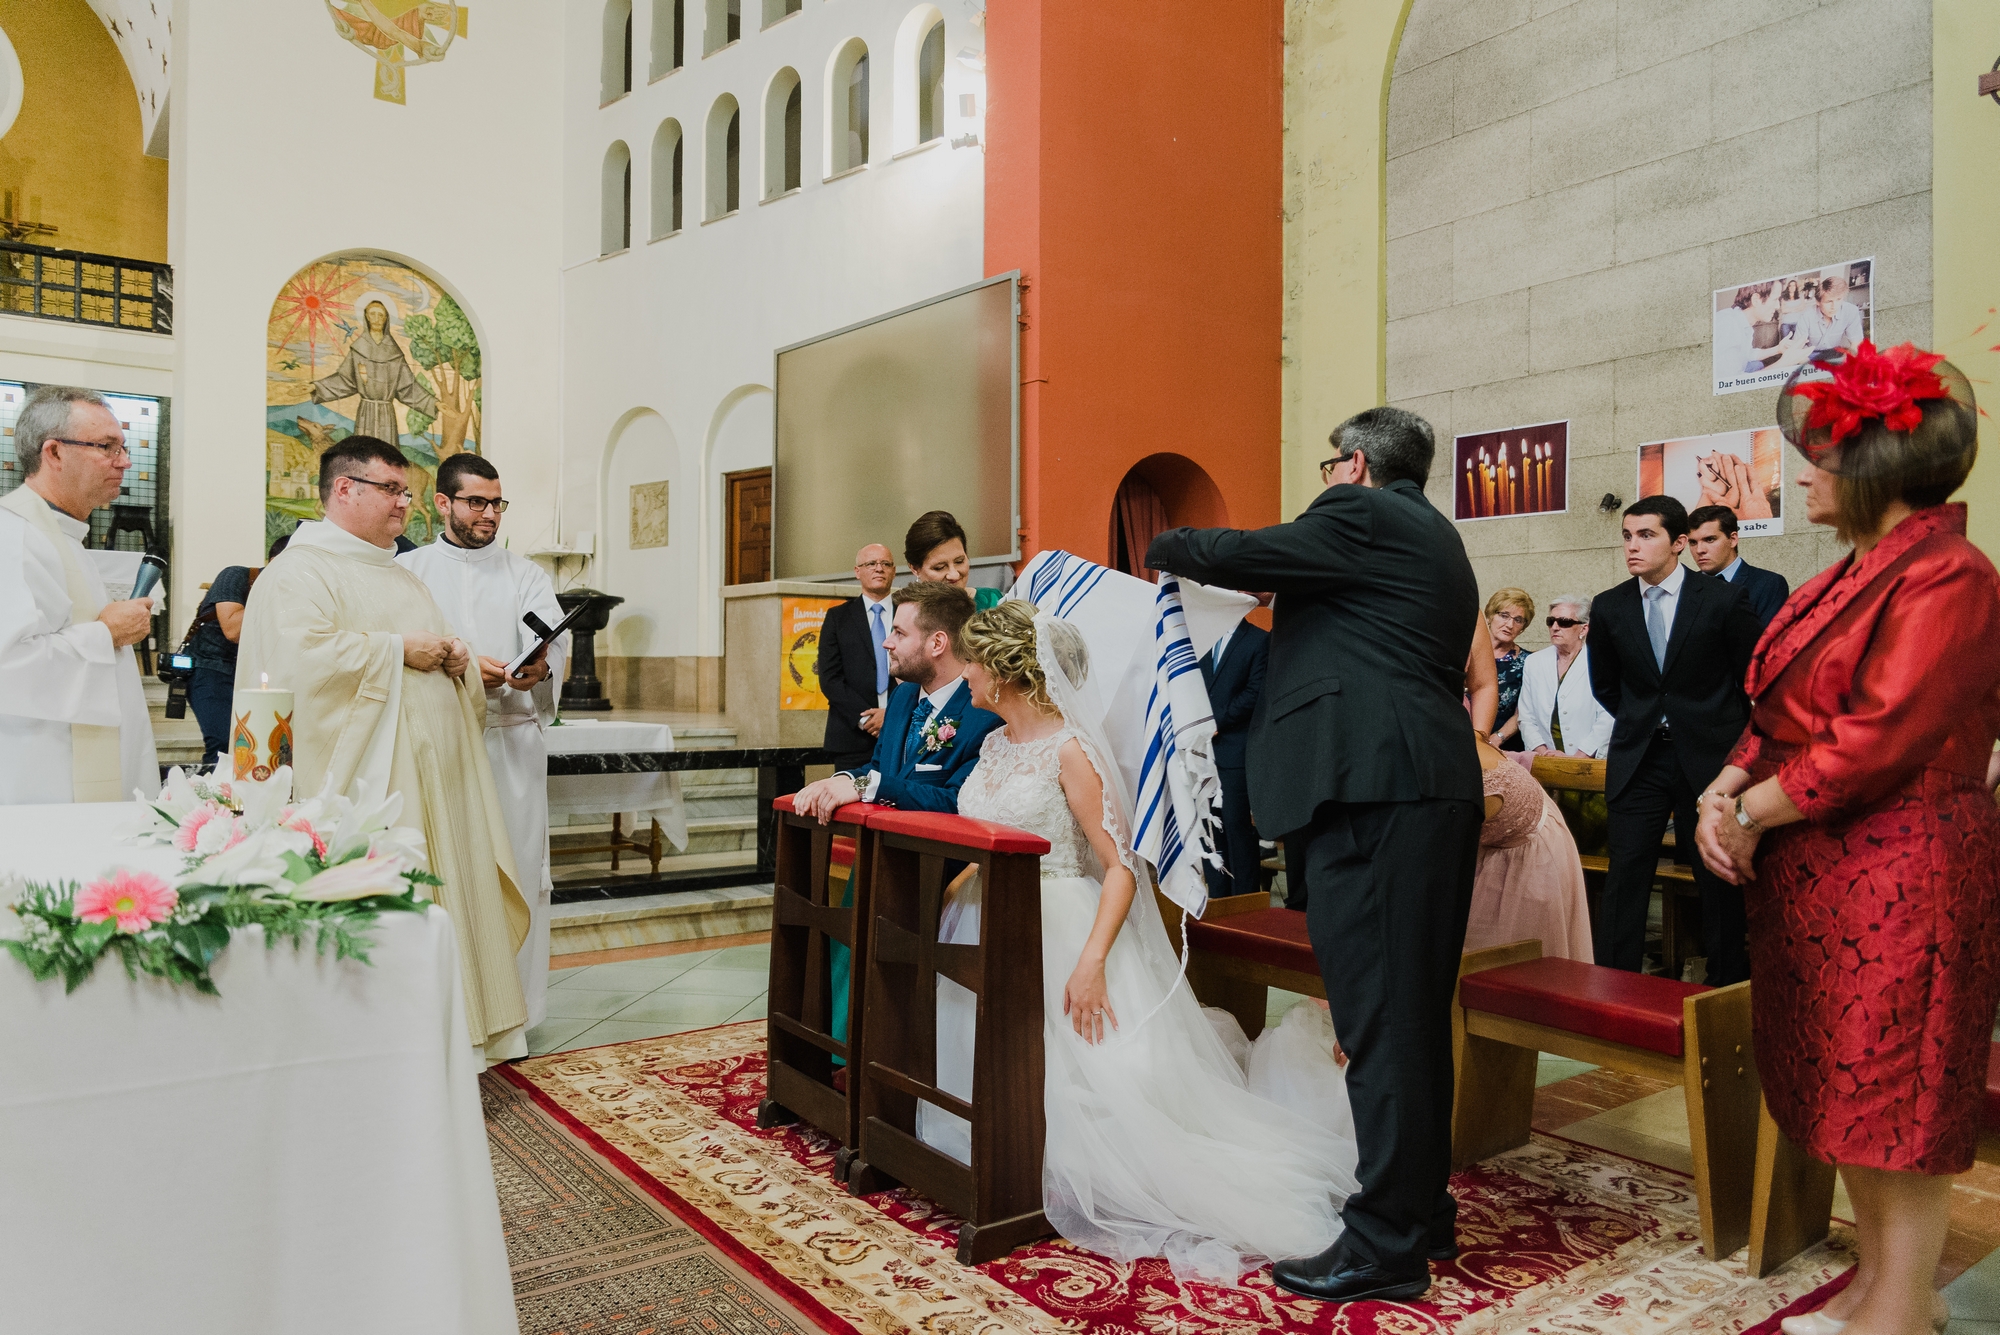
(396, 490)
(478, 504)
(112, 448)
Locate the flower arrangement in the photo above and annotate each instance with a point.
(1891, 385)
(937, 734)
(324, 869)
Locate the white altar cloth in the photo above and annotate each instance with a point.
(643, 796)
(304, 1153)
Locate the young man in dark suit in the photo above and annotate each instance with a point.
(1668, 649)
(854, 660)
(1234, 673)
(1712, 543)
(1361, 748)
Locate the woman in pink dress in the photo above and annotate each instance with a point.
(1530, 882)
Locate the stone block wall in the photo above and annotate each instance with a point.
(1568, 182)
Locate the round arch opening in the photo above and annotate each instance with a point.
(1160, 492)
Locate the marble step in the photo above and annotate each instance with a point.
(646, 920)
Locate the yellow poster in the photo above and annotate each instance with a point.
(799, 622)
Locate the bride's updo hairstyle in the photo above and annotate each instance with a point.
(1002, 640)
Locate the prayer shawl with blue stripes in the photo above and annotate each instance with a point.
(1153, 712)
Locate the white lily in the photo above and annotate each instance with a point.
(261, 802)
(369, 823)
(355, 879)
(166, 812)
(257, 862)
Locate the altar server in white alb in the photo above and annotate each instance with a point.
(484, 589)
(73, 719)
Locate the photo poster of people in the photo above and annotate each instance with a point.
(1744, 470)
(1765, 330)
(1523, 470)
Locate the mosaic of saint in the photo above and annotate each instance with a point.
(364, 345)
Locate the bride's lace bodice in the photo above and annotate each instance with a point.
(1020, 784)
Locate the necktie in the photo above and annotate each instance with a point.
(913, 743)
(1656, 624)
(881, 651)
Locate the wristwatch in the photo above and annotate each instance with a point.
(1746, 820)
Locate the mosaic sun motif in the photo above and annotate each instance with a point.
(398, 34)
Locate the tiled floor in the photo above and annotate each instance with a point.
(614, 1003)
(644, 998)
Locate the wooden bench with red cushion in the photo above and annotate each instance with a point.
(1513, 1005)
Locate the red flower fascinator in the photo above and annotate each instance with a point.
(1833, 398)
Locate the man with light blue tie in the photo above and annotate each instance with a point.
(854, 660)
(1668, 650)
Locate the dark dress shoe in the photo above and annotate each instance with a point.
(1337, 1275)
(1443, 1251)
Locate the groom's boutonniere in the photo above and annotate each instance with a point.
(938, 734)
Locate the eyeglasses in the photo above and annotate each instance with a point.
(114, 449)
(875, 565)
(396, 490)
(1330, 464)
(477, 504)
(1514, 617)
(1567, 623)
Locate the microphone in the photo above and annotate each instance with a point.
(151, 571)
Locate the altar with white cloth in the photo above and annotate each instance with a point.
(304, 1153)
(632, 798)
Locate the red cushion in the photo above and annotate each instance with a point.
(854, 813)
(1992, 1108)
(982, 835)
(1263, 936)
(1635, 1009)
(843, 851)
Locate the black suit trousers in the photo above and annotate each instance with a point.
(1657, 790)
(1391, 885)
(1239, 837)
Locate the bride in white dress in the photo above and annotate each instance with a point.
(1157, 1144)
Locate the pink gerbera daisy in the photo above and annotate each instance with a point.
(136, 899)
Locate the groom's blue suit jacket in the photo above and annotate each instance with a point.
(912, 778)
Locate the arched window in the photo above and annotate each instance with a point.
(777, 9)
(615, 234)
(724, 158)
(616, 78)
(725, 25)
(930, 84)
(667, 167)
(847, 125)
(669, 36)
(783, 106)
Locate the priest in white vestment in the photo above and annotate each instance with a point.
(381, 702)
(484, 589)
(74, 726)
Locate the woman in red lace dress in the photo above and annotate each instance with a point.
(1857, 815)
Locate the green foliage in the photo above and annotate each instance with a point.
(447, 337)
(181, 949)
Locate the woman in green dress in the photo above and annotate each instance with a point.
(935, 549)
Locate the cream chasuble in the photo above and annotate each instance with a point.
(74, 726)
(483, 592)
(326, 622)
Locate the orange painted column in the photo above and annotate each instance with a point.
(1135, 177)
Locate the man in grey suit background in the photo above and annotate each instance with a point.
(1361, 747)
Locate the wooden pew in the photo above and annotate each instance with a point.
(807, 915)
(1513, 1004)
(999, 1194)
(1239, 949)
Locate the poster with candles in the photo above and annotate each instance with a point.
(1523, 470)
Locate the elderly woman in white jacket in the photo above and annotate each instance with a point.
(1559, 714)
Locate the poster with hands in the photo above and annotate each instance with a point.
(1743, 470)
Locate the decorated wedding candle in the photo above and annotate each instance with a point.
(260, 730)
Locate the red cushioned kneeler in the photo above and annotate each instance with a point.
(1266, 936)
(1610, 1004)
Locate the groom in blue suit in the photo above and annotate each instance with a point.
(931, 732)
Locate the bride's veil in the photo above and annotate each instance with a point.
(1065, 664)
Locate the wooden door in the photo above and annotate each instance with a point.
(747, 543)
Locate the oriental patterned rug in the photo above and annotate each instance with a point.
(1556, 1236)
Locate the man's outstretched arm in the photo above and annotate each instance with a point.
(1306, 550)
